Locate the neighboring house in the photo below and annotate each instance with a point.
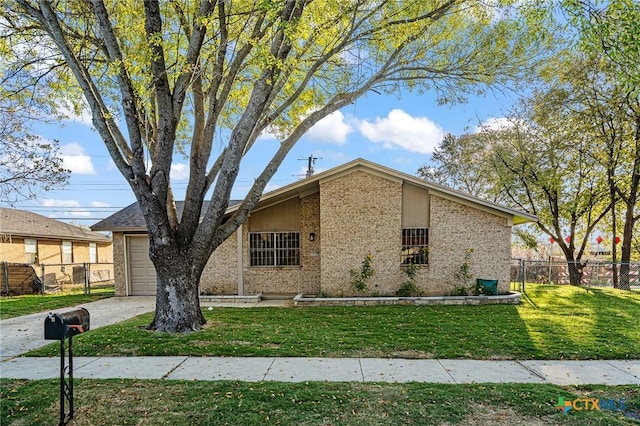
(306, 237)
(29, 238)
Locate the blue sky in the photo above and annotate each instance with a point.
(396, 131)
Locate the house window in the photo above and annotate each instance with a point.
(67, 252)
(93, 253)
(31, 251)
(415, 246)
(274, 248)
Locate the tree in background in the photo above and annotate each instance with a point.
(540, 161)
(208, 78)
(28, 164)
(605, 91)
(606, 109)
(462, 163)
(544, 166)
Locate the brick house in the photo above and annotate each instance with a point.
(29, 238)
(307, 236)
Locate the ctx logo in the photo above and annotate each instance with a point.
(590, 404)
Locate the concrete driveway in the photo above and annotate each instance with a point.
(26, 333)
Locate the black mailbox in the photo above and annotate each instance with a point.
(66, 324)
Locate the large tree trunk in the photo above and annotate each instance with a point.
(575, 268)
(177, 298)
(576, 271)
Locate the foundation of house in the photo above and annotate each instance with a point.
(511, 298)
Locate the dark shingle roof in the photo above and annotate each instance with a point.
(130, 219)
(22, 223)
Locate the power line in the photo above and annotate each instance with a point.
(73, 219)
(70, 208)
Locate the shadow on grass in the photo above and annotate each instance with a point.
(570, 322)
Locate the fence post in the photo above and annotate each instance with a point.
(43, 282)
(87, 290)
(524, 273)
(5, 276)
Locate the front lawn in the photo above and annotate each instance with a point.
(552, 322)
(154, 402)
(15, 306)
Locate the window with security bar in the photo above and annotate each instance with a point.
(274, 248)
(415, 246)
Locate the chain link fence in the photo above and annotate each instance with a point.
(20, 278)
(588, 273)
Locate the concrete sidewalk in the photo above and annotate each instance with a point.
(454, 371)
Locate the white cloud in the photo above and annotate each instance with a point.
(401, 130)
(84, 116)
(67, 208)
(494, 123)
(75, 159)
(332, 129)
(100, 204)
(179, 171)
(51, 202)
(78, 213)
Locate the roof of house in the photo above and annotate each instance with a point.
(130, 218)
(20, 223)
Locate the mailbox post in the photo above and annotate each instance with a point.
(60, 327)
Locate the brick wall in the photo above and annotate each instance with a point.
(119, 264)
(310, 250)
(12, 250)
(220, 275)
(360, 214)
(456, 227)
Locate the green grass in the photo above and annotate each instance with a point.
(15, 306)
(555, 322)
(154, 402)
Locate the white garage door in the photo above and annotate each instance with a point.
(142, 274)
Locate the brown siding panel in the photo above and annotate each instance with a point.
(284, 216)
(415, 206)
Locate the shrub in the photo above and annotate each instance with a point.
(463, 275)
(409, 287)
(360, 277)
